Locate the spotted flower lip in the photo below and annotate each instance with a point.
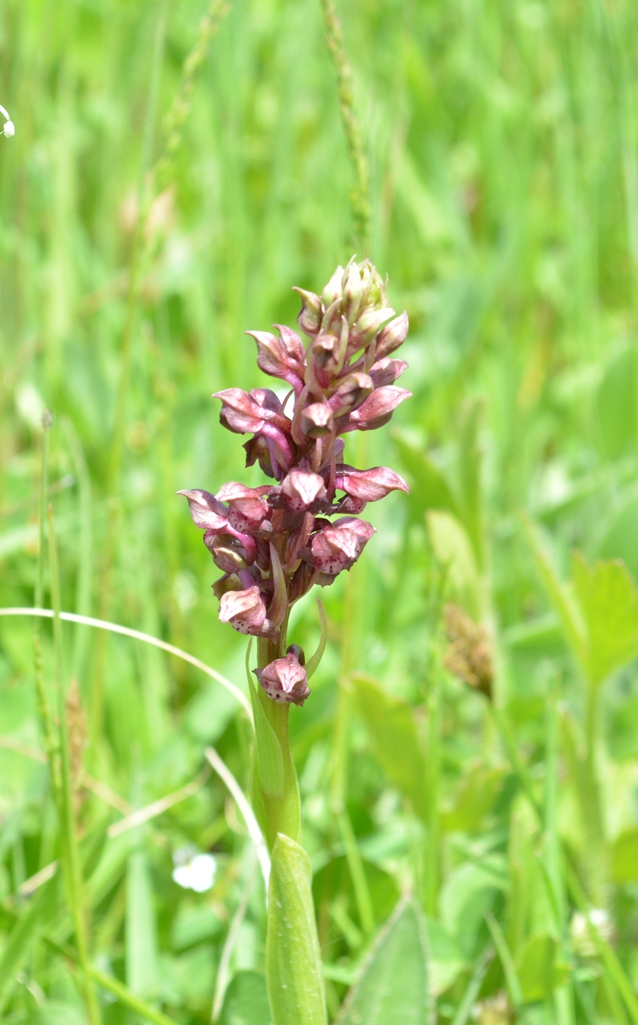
(274, 542)
(285, 680)
(338, 545)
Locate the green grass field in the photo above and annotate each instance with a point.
(137, 247)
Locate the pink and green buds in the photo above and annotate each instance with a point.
(273, 542)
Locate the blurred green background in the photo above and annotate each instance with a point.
(502, 140)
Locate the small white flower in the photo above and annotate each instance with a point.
(194, 871)
(582, 940)
(9, 128)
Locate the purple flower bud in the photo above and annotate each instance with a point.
(227, 552)
(376, 410)
(240, 413)
(316, 420)
(303, 490)
(292, 344)
(386, 371)
(333, 289)
(284, 680)
(338, 546)
(369, 485)
(351, 393)
(324, 352)
(247, 507)
(311, 312)
(206, 510)
(393, 335)
(245, 611)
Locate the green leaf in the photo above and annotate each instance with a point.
(453, 548)
(246, 1001)
(394, 981)
(470, 479)
(624, 857)
(446, 960)
(560, 599)
(538, 971)
(293, 959)
(394, 739)
(608, 599)
(469, 892)
(54, 1012)
(270, 759)
(428, 486)
(475, 798)
(142, 974)
(24, 934)
(617, 405)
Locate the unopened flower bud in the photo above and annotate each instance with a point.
(310, 316)
(323, 352)
(386, 371)
(352, 292)
(244, 610)
(334, 288)
(316, 420)
(284, 680)
(369, 485)
(368, 325)
(392, 336)
(373, 286)
(338, 546)
(303, 490)
(377, 409)
(226, 551)
(281, 357)
(351, 393)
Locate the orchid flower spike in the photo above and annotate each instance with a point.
(9, 128)
(274, 542)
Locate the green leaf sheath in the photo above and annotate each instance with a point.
(293, 960)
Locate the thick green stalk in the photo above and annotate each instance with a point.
(282, 810)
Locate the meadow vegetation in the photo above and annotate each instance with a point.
(472, 734)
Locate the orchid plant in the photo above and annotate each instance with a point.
(274, 542)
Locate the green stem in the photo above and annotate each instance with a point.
(283, 811)
(71, 863)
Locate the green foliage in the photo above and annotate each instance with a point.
(394, 738)
(394, 982)
(246, 1001)
(500, 141)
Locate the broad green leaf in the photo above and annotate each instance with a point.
(453, 548)
(620, 538)
(394, 739)
(617, 404)
(608, 599)
(55, 1012)
(142, 973)
(475, 798)
(468, 893)
(538, 970)
(470, 480)
(446, 960)
(394, 982)
(624, 857)
(428, 486)
(293, 959)
(246, 1001)
(559, 597)
(24, 934)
